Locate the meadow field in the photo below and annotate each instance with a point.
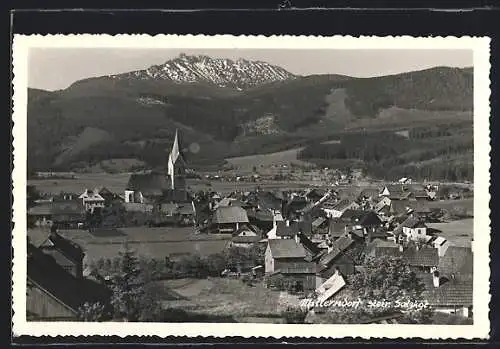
(225, 298)
(147, 242)
(459, 232)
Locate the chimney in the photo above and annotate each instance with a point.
(297, 238)
(401, 247)
(435, 278)
(287, 222)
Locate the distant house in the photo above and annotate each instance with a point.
(453, 296)
(337, 259)
(396, 192)
(245, 237)
(369, 194)
(339, 208)
(52, 293)
(413, 229)
(261, 218)
(91, 200)
(287, 258)
(64, 214)
(146, 187)
(109, 197)
(229, 219)
(421, 259)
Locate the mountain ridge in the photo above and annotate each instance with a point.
(140, 115)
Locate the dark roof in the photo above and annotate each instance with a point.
(449, 293)
(45, 272)
(338, 246)
(318, 222)
(369, 193)
(68, 248)
(175, 195)
(456, 260)
(58, 208)
(283, 230)
(342, 204)
(149, 184)
(308, 244)
(260, 215)
(336, 228)
(364, 218)
(400, 206)
(268, 200)
(286, 248)
(230, 214)
(378, 248)
(427, 256)
(413, 222)
(419, 206)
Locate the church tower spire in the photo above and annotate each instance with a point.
(175, 165)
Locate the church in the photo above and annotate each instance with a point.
(154, 187)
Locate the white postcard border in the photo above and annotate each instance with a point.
(481, 284)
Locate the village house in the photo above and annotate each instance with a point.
(227, 220)
(91, 200)
(66, 253)
(396, 192)
(286, 257)
(64, 214)
(337, 258)
(52, 293)
(109, 197)
(244, 237)
(339, 208)
(450, 296)
(412, 229)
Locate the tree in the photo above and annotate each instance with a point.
(385, 286)
(133, 297)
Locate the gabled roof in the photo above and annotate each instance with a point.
(451, 293)
(286, 248)
(230, 214)
(68, 248)
(318, 222)
(283, 230)
(338, 246)
(149, 183)
(456, 260)
(369, 193)
(343, 204)
(66, 207)
(308, 244)
(427, 257)
(412, 222)
(43, 270)
(336, 228)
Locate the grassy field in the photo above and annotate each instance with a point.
(114, 182)
(147, 242)
(245, 164)
(221, 297)
(459, 233)
(449, 205)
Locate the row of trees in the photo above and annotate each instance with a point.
(135, 296)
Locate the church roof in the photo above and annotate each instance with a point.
(152, 183)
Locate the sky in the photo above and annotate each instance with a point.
(57, 68)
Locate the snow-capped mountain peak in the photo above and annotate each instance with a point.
(239, 74)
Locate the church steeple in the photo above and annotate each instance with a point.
(175, 167)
